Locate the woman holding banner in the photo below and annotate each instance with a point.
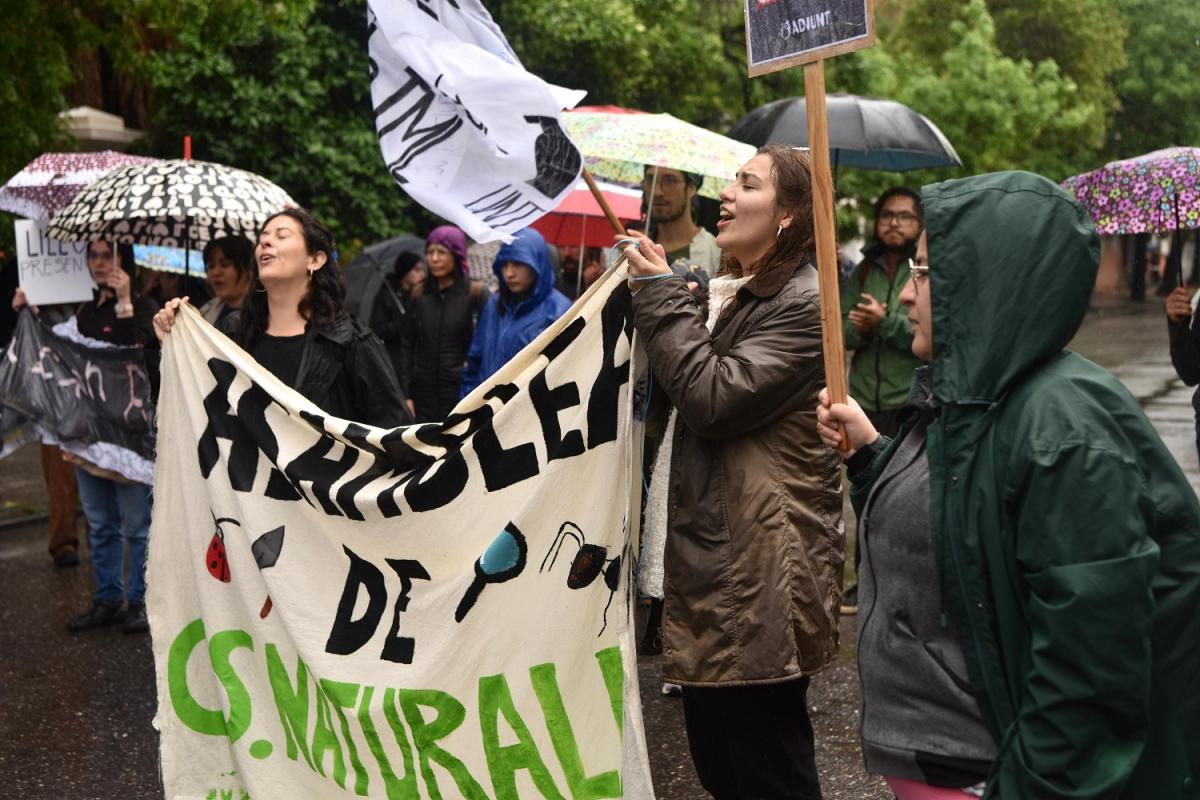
(293, 324)
(117, 509)
(753, 553)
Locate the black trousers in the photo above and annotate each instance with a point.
(753, 742)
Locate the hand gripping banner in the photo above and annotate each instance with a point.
(442, 610)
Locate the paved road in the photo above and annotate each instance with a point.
(75, 711)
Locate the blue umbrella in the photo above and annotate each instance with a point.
(168, 259)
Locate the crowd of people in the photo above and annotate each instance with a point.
(1028, 552)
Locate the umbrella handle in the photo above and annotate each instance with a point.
(618, 228)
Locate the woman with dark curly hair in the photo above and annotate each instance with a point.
(292, 323)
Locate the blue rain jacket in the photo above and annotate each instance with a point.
(508, 324)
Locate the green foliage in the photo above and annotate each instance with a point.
(285, 95)
(30, 99)
(280, 88)
(1159, 91)
(999, 113)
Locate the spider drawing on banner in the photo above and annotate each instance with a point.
(591, 560)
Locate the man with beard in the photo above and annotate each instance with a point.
(877, 328)
(668, 196)
(876, 324)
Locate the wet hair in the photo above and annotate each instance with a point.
(238, 249)
(791, 173)
(901, 191)
(326, 292)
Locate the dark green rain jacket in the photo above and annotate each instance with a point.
(1067, 536)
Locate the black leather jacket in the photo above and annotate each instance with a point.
(345, 370)
(433, 350)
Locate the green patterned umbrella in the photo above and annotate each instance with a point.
(617, 144)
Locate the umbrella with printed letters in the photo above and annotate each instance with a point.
(176, 203)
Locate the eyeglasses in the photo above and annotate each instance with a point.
(903, 217)
(919, 272)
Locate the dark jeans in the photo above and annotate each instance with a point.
(116, 513)
(753, 742)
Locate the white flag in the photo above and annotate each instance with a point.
(464, 129)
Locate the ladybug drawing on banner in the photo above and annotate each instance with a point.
(215, 558)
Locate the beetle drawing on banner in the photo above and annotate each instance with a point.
(591, 560)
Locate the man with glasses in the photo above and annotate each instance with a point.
(876, 324)
(668, 194)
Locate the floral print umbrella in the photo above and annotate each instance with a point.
(50, 181)
(617, 144)
(1159, 191)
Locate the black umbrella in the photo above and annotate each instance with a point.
(365, 277)
(863, 132)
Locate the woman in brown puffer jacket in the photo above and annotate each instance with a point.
(754, 548)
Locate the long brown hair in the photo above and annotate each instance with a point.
(791, 172)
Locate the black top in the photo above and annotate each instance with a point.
(280, 355)
(341, 367)
(98, 320)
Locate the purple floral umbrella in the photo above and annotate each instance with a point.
(1159, 191)
(51, 181)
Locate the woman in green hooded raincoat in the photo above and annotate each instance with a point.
(1063, 537)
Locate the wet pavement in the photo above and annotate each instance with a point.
(75, 709)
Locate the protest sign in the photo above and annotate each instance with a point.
(51, 271)
(441, 610)
(464, 129)
(784, 33)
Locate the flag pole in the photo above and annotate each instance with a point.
(617, 227)
(826, 237)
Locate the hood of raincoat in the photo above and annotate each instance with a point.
(1013, 259)
(527, 247)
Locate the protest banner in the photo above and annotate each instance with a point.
(90, 398)
(464, 129)
(785, 33)
(51, 271)
(440, 610)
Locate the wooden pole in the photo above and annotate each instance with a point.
(825, 231)
(617, 227)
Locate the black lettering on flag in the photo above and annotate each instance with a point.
(506, 210)
(416, 139)
(395, 647)
(501, 466)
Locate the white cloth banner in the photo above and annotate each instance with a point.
(442, 610)
(464, 129)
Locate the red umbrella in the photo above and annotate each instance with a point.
(51, 181)
(579, 221)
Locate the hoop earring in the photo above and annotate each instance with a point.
(262, 290)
